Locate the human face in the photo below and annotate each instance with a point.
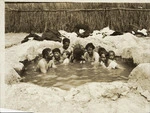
(103, 57)
(90, 51)
(66, 45)
(111, 55)
(56, 55)
(49, 56)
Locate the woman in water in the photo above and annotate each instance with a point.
(91, 55)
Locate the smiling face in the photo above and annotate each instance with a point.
(56, 55)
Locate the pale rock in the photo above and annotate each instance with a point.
(107, 31)
(140, 78)
(11, 76)
(146, 94)
(96, 32)
(117, 97)
(27, 51)
(18, 67)
(12, 39)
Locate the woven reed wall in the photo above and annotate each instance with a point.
(24, 17)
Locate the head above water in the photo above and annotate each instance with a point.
(111, 55)
(78, 53)
(56, 53)
(103, 57)
(66, 43)
(102, 50)
(47, 54)
(90, 47)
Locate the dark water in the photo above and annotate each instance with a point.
(72, 75)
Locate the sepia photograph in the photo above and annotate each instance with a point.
(77, 57)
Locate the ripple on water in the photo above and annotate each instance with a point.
(73, 75)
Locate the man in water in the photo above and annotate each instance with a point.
(66, 47)
(46, 61)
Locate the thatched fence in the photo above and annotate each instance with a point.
(24, 17)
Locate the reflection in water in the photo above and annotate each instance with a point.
(76, 74)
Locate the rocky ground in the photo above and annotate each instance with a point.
(113, 97)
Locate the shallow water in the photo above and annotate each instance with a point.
(72, 75)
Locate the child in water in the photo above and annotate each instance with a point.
(103, 59)
(103, 56)
(111, 60)
(46, 62)
(66, 56)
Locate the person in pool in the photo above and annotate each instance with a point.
(66, 47)
(66, 56)
(78, 54)
(57, 59)
(46, 62)
(103, 56)
(112, 64)
(91, 55)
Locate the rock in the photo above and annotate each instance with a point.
(146, 94)
(27, 51)
(18, 67)
(89, 91)
(139, 78)
(91, 97)
(11, 76)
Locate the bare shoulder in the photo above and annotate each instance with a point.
(41, 62)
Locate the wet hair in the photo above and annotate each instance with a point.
(102, 50)
(111, 52)
(90, 45)
(77, 53)
(45, 52)
(56, 50)
(66, 40)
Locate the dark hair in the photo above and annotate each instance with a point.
(66, 40)
(102, 50)
(111, 52)
(77, 53)
(45, 52)
(56, 50)
(90, 45)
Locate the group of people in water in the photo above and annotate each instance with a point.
(66, 54)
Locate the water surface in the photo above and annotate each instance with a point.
(75, 74)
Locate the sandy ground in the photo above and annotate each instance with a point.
(113, 97)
